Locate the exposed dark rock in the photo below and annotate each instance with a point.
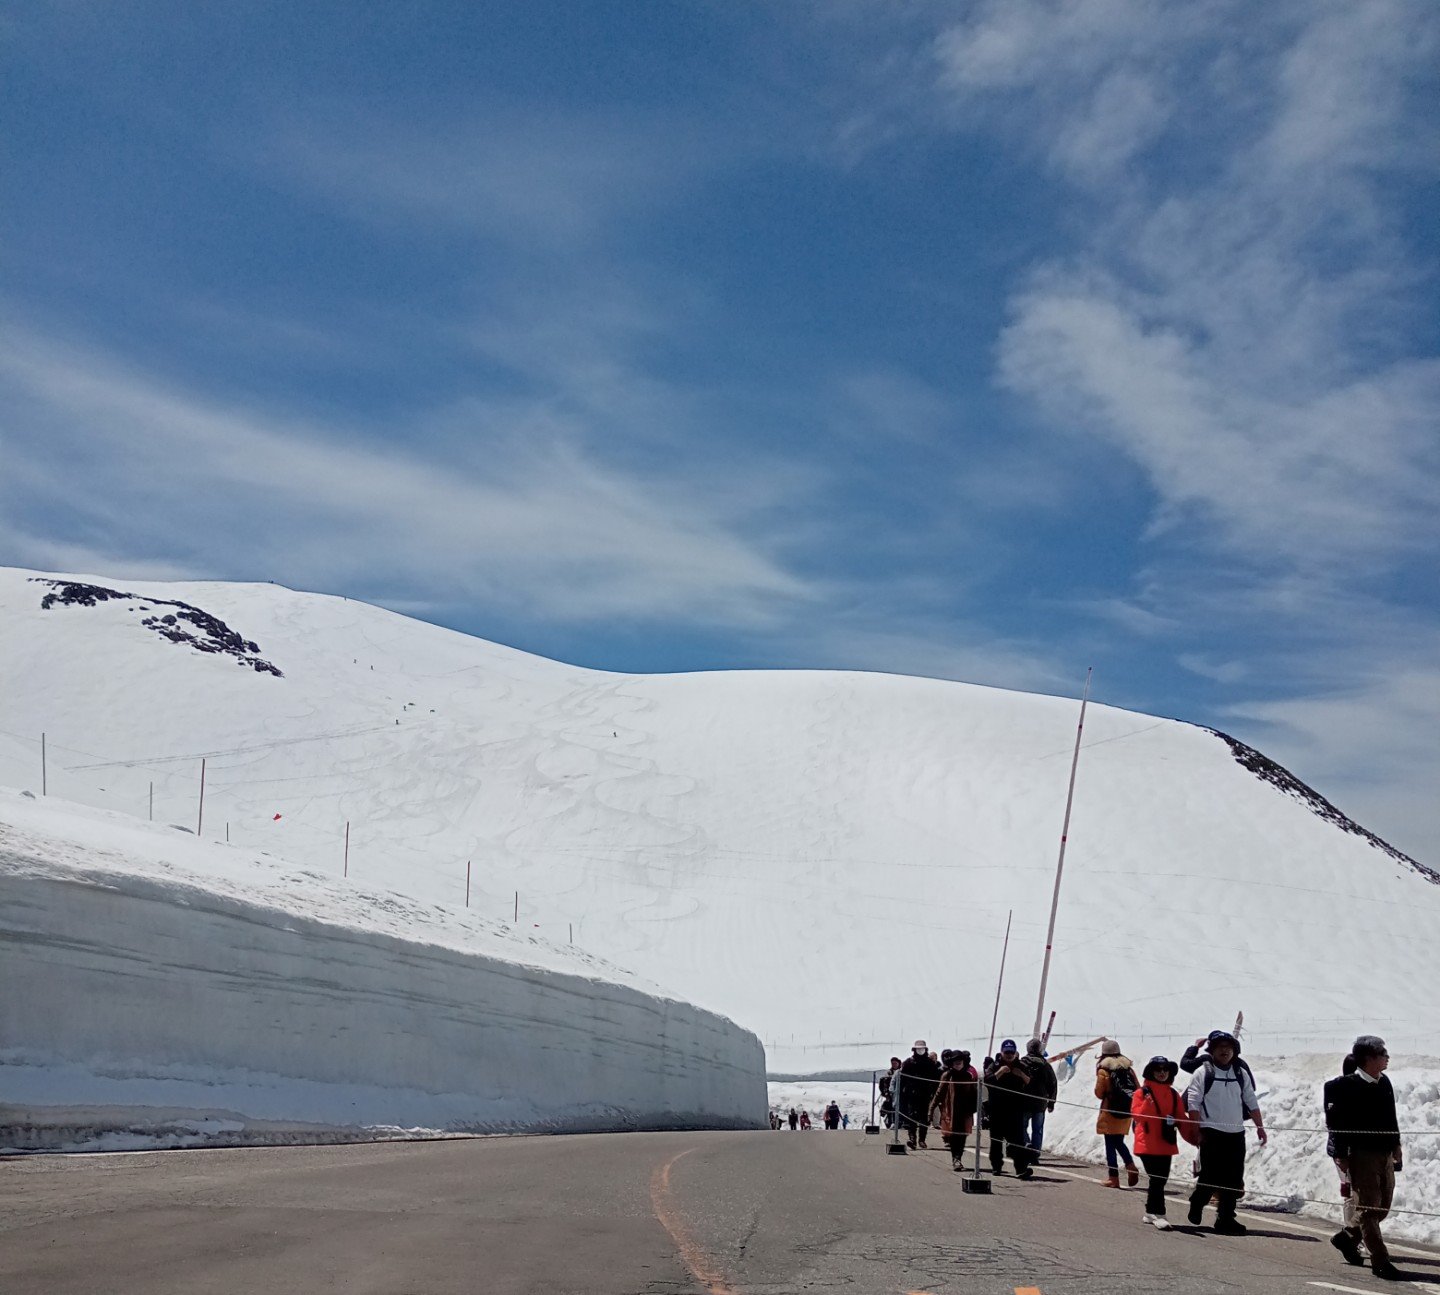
(1264, 768)
(188, 625)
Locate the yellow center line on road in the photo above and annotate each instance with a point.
(702, 1267)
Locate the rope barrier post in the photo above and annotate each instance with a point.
(873, 1127)
(977, 1184)
(895, 1147)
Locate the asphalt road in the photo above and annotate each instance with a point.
(631, 1214)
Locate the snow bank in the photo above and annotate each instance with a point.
(1293, 1173)
(159, 987)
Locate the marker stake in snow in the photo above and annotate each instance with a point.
(152, 802)
(467, 883)
(44, 779)
(1060, 864)
(200, 815)
(345, 870)
(1004, 950)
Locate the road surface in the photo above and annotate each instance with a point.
(629, 1214)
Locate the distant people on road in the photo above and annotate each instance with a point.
(887, 1093)
(1366, 1130)
(1342, 1240)
(804, 1121)
(953, 1110)
(1158, 1112)
(1222, 1097)
(794, 1119)
(1039, 1097)
(1006, 1083)
(917, 1077)
(1115, 1086)
(832, 1116)
(845, 1120)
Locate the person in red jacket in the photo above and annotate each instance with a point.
(1158, 1111)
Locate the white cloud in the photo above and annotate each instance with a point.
(525, 517)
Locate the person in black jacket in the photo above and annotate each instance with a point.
(1366, 1133)
(1039, 1098)
(1343, 1240)
(1007, 1082)
(887, 1097)
(918, 1078)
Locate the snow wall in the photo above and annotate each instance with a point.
(139, 1011)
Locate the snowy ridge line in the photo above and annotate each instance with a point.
(1279, 777)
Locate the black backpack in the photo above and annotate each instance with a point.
(1123, 1087)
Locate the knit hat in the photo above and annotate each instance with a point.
(1110, 1048)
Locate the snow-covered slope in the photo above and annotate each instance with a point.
(826, 857)
(162, 987)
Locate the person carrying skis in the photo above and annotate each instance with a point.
(953, 1109)
(1367, 1146)
(1158, 1113)
(1221, 1097)
(1039, 1097)
(917, 1077)
(1115, 1086)
(1006, 1082)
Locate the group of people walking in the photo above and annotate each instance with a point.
(833, 1117)
(1210, 1113)
(927, 1090)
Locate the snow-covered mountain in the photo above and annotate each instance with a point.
(827, 858)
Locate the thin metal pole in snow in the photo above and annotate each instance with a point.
(152, 802)
(1004, 950)
(345, 871)
(1060, 864)
(44, 772)
(467, 883)
(227, 831)
(200, 816)
(572, 932)
(517, 908)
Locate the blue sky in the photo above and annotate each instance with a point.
(985, 340)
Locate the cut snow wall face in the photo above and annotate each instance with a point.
(210, 1012)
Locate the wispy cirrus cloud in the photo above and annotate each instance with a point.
(524, 517)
